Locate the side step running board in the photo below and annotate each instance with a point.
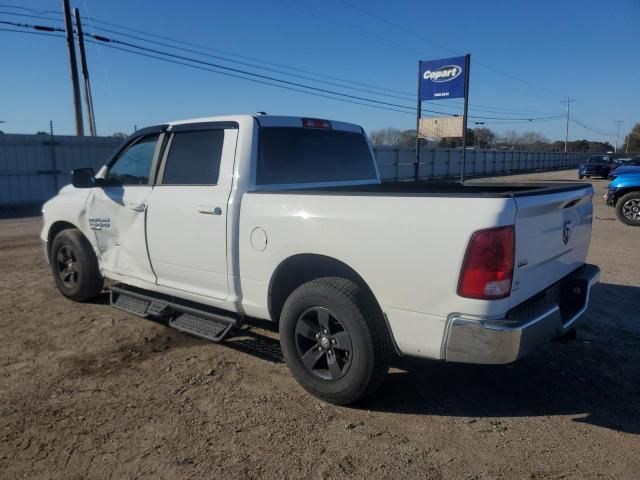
(198, 320)
(201, 327)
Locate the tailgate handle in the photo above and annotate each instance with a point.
(576, 201)
(572, 203)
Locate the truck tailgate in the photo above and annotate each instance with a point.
(553, 231)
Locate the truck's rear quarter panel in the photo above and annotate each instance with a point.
(409, 250)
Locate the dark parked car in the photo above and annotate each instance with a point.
(595, 166)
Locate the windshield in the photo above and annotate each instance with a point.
(309, 155)
(596, 160)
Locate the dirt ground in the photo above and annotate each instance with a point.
(87, 391)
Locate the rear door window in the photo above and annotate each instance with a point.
(194, 158)
(306, 155)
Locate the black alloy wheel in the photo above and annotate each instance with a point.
(67, 267)
(75, 266)
(323, 343)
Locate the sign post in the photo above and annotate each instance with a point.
(419, 115)
(467, 62)
(439, 80)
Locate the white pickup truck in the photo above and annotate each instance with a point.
(204, 223)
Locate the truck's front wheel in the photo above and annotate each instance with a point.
(74, 266)
(334, 340)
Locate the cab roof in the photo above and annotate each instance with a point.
(268, 121)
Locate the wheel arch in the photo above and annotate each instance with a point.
(301, 268)
(55, 228)
(623, 191)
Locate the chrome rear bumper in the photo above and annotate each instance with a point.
(550, 314)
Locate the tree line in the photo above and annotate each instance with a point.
(486, 138)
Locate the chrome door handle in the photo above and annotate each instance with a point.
(210, 210)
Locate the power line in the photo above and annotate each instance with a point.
(106, 41)
(210, 49)
(459, 106)
(210, 70)
(295, 84)
(253, 65)
(197, 67)
(406, 96)
(592, 130)
(44, 34)
(443, 47)
(44, 28)
(33, 10)
(400, 28)
(517, 122)
(288, 67)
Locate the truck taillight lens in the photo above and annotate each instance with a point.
(487, 270)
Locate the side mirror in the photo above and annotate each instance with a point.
(83, 178)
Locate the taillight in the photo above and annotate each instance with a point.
(487, 270)
(316, 123)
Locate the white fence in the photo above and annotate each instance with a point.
(398, 163)
(33, 168)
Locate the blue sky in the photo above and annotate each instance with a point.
(527, 56)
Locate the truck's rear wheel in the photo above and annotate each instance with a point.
(334, 340)
(75, 266)
(628, 209)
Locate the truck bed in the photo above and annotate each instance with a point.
(426, 188)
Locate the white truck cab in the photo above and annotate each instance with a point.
(206, 222)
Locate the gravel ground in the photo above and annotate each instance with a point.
(87, 391)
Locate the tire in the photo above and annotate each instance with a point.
(359, 347)
(628, 209)
(75, 267)
(580, 177)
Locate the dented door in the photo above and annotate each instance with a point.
(118, 207)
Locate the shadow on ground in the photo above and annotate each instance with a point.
(596, 377)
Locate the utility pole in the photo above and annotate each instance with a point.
(77, 104)
(566, 134)
(615, 148)
(54, 160)
(85, 74)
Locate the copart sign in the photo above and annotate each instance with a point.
(441, 79)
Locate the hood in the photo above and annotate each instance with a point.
(67, 189)
(630, 169)
(594, 166)
(625, 180)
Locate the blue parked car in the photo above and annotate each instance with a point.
(624, 166)
(595, 166)
(624, 195)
